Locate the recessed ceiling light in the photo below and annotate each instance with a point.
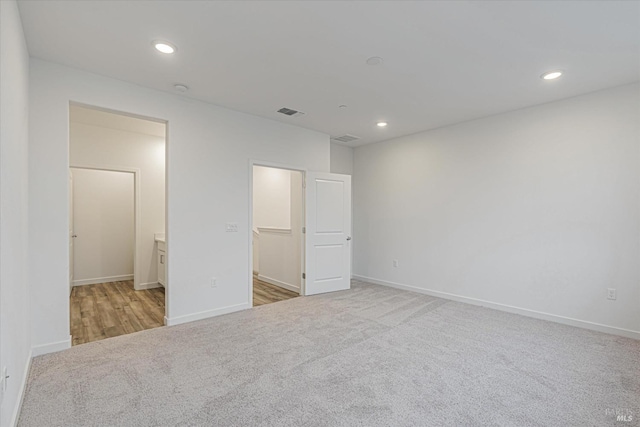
(164, 47)
(342, 107)
(375, 60)
(551, 75)
(382, 124)
(180, 87)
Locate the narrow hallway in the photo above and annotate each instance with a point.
(106, 310)
(266, 293)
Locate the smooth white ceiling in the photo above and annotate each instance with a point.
(105, 119)
(444, 61)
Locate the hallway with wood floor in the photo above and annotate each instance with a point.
(266, 293)
(106, 310)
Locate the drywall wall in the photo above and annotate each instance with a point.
(15, 334)
(297, 221)
(279, 251)
(342, 162)
(103, 220)
(341, 159)
(536, 209)
(255, 248)
(271, 197)
(107, 147)
(208, 159)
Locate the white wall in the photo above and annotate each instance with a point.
(255, 247)
(271, 197)
(341, 159)
(208, 185)
(15, 335)
(103, 218)
(342, 162)
(107, 147)
(297, 221)
(537, 209)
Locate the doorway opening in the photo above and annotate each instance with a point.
(277, 219)
(117, 244)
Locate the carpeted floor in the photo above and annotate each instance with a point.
(371, 356)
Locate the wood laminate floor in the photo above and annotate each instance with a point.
(107, 310)
(266, 293)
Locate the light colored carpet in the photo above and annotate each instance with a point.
(371, 356)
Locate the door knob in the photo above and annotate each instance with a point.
(348, 237)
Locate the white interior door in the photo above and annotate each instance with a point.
(71, 233)
(328, 232)
(104, 220)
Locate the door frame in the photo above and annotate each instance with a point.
(275, 165)
(72, 246)
(167, 217)
(136, 210)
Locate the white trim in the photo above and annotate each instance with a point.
(137, 175)
(149, 285)
(278, 283)
(274, 230)
(107, 279)
(51, 347)
(205, 314)
(23, 387)
(167, 215)
(118, 112)
(509, 308)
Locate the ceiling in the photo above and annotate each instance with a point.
(444, 61)
(105, 119)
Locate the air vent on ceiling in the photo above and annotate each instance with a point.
(291, 113)
(345, 138)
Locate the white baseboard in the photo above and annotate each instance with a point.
(275, 282)
(150, 285)
(508, 308)
(51, 347)
(107, 279)
(205, 314)
(21, 390)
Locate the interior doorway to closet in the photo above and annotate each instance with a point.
(278, 219)
(116, 223)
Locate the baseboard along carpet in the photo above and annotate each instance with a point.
(370, 356)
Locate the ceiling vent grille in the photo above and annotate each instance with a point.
(346, 138)
(291, 113)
